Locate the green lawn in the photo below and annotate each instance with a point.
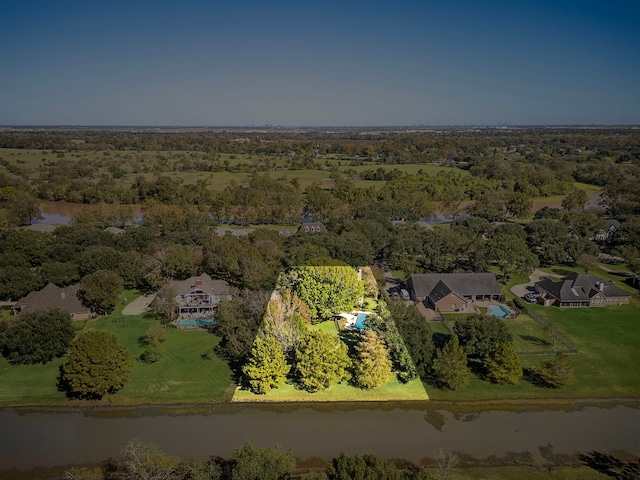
(608, 340)
(182, 375)
(439, 327)
(390, 391)
(30, 384)
(524, 472)
(528, 335)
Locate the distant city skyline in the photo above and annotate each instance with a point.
(334, 64)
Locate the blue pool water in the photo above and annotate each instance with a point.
(498, 311)
(197, 322)
(360, 322)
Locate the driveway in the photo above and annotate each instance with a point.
(139, 305)
(522, 289)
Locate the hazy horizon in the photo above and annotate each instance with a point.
(289, 64)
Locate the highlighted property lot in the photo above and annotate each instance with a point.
(309, 350)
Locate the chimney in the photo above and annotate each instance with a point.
(198, 282)
(62, 294)
(601, 286)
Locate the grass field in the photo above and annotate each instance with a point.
(528, 473)
(148, 163)
(390, 391)
(529, 335)
(608, 340)
(412, 168)
(182, 375)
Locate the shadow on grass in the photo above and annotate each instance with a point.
(350, 338)
(532, 376)
(621, 465)
(535, 340)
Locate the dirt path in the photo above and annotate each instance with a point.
(139, 305)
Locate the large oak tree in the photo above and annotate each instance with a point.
(37, 337)
(97, 364)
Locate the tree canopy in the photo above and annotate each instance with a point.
(417, 338)
(255, 463)
(354, 467)
(321, 361)
(286, 319)
(503, 364)
(266, 367)
(327, 290)
(101, 290)
(37, 337)
(556, 372)
(372, 366)
(238, 323)
(385, 326)
(97, 365)
(450, 366)
(479, 334)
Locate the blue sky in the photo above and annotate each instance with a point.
(332, 63)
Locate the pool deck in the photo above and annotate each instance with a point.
(474, 307)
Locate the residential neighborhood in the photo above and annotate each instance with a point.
(346, 279)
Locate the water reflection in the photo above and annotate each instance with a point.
(52, 439)
(61, 213)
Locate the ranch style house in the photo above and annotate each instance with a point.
(452, 292)
(580, 290)
(66, 299)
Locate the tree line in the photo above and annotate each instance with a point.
(139, 460)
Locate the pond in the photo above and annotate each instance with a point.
(45, 438)
(60, 213)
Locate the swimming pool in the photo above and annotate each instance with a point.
(197, 322)
(498, 311)
(360, 321)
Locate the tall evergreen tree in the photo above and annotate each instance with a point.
(266, 368)
(450, 366)
(557, 371)
(321, 361)
(503, 364)
(372, 366)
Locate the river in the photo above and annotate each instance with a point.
(48, 439)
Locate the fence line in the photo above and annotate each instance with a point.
(543, 323)
(447, 324)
